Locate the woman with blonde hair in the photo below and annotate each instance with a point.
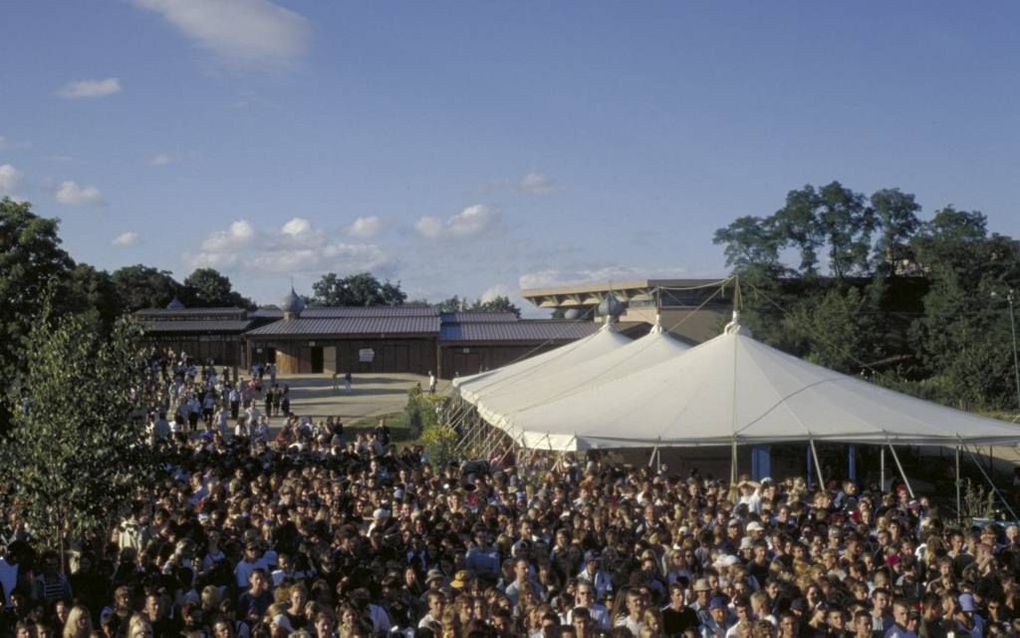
(139, 627)
(78, 623)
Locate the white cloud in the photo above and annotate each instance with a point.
(431, 227)
(126, 239)
(86, 89)
(71, 194)
(365, 227)
(10, 179)
(535, 183)
(161, 159)
(296, 247)
(237, 236)
(250, 33)
(473, 221)
(296, 227)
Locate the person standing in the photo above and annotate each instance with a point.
(348, 381)
(432, 382)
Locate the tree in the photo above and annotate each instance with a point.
(896, 217)
(31, 261)
(752, 243)
(76, 454)
(141, 286)
(207, 288)
(500, 303)
(362, 289)
(453, 304)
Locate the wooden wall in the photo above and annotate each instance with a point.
(463, 360)
(416, 356)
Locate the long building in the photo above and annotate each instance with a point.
(299, 340)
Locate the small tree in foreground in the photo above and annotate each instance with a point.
(77, 451)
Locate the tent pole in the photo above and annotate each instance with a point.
(881, 469)
(896, 458)
(818, 466)
(651, 458)
(733, 469)
(851, 463)
(977, 462)
(959, 506)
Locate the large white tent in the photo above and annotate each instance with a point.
(570, 374)
(472, 388)
(733, 389)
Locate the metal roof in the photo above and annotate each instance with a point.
(352, 311)
(535, 330)
(341, 326)
(470, 316)
(163, 313)
(212, 325)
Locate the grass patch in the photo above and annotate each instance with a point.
(400, 431)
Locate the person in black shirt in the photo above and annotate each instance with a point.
(677, 617)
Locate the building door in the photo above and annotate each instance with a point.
(316, 359)
(329, 359)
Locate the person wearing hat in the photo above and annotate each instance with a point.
(591, 573)
(253, 559)
(702, 595)
(964, 620)
(716, 622)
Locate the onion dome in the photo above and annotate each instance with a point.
(611, 307)
(292, 305)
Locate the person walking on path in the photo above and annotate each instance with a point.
(348, 379)
(432, 382)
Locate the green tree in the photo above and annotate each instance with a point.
(208, 288)
(362, 289)
(76, 453)
(897, 222)
(31, 261)
(141, 286)
(453, 304)
(752, 244)
(500, 303)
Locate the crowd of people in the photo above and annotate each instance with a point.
(311, 532)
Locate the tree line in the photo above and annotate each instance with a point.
(864, 285)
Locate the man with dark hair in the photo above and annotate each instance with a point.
(677, 617)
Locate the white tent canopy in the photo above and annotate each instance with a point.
(735, 389)
(567, 375)
(472, 388)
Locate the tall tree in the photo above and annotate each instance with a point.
(847, 224)
(31, 261)
(141, 286)
(208, 288)
(362, 289)
(897, 221)
(77, 453)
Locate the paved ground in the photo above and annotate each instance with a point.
(373, 394)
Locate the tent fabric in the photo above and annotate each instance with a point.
(565, 376)
(472, 388)
(735, 389)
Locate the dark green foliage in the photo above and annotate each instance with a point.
(920, 306)
(207, 288)
(141, 286)
(362, 289)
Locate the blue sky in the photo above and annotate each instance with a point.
(475, 148)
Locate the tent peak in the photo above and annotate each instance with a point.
(735, 327)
